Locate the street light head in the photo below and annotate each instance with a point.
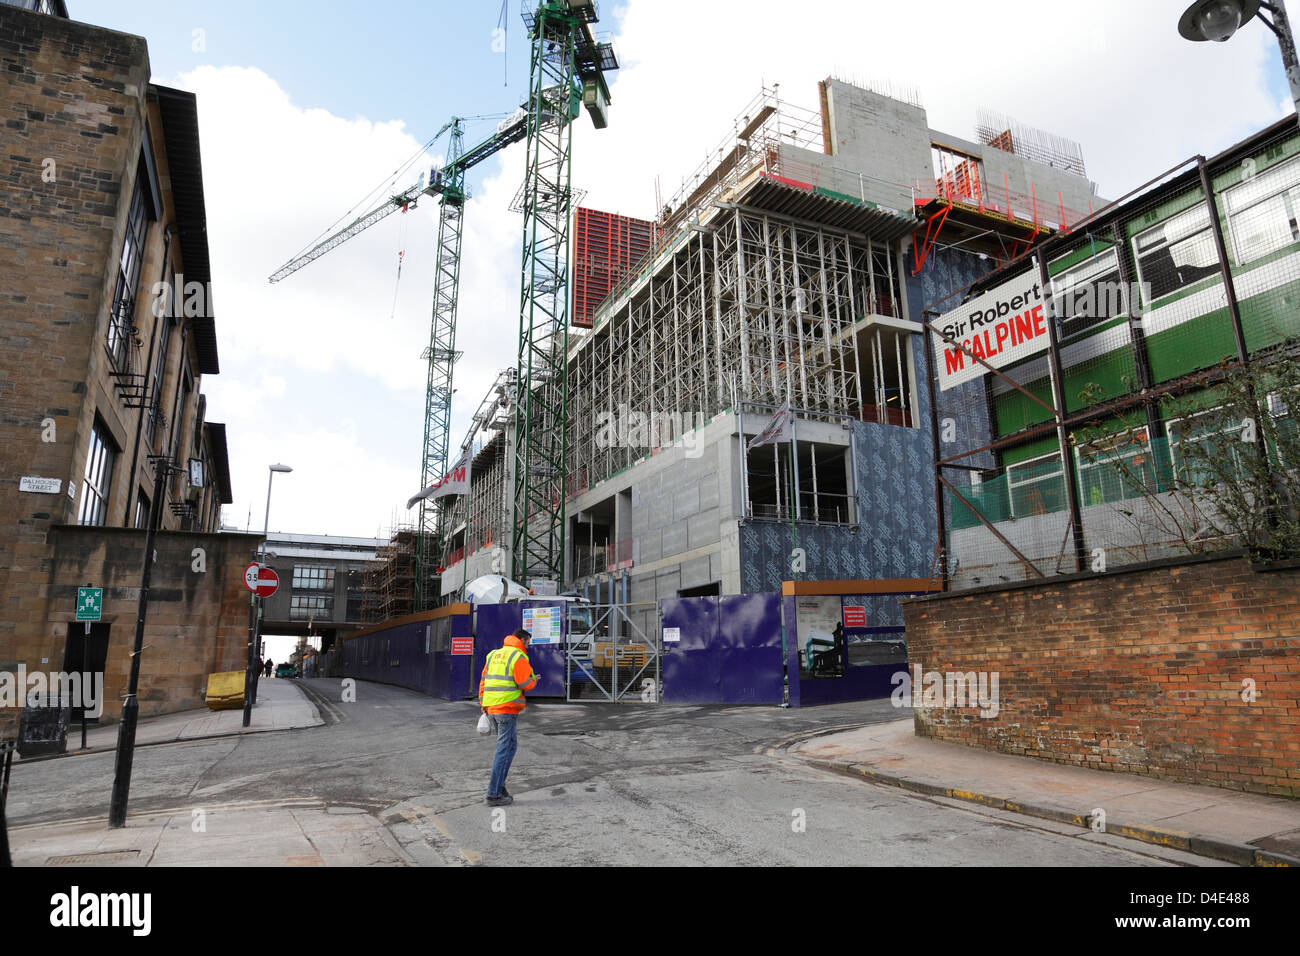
(1216, 20)
(281, 468)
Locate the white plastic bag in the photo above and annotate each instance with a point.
(486, 724)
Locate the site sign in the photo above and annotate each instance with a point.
(1003, 326)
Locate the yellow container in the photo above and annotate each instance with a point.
(226, 690)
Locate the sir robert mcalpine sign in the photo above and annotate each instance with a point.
(1003, 326)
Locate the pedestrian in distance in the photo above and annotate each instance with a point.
(507, 673)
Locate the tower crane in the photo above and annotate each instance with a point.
(447, 182)
(567, 72)
(568, 66)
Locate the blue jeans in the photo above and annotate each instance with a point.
(507, 743)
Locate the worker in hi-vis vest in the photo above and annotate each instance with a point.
(507, 673)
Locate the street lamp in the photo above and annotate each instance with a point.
(255, 608)
(1218, 20)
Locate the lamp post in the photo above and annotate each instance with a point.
(255, 608)
(163, 469)
(1218, 20)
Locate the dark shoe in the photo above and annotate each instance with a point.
(505, 792)
(502, 801)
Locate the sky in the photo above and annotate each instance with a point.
(306, 108)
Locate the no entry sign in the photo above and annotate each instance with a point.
(261, 580)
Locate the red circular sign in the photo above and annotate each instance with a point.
(261, 580)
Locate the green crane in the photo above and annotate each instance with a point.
(447, 182)
(568, 66)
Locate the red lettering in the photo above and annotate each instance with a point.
(954, 361)
(989, 350)
(975, 347)
(1039, 328)
(1003, 330)
(1024, 329)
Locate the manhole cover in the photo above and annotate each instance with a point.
(106, 858)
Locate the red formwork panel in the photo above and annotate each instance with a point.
(605, 248)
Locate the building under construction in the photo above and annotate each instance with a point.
(792, 268)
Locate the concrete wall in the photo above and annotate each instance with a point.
(884, 138)
(1184, 671)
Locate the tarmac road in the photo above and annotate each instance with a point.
(632, 784)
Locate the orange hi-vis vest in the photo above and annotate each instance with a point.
(507, 673)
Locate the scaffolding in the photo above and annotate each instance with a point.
(774, 276)
(389, 588)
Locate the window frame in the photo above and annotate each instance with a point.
(1127, 450)
(97, 478)
(1288, 173)
(1011, 485)
(121, 316)
(1139, 253)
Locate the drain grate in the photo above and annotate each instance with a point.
(104, 858)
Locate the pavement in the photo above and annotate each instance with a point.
(281, 705)
(1211, 823)
(1247, 829)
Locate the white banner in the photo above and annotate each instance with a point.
(1003, 326)
(454, 482)
(778, 429)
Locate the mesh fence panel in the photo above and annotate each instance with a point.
(1168, 442)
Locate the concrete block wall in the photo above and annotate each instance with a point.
(1185, 671)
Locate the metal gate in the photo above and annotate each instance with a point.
(612, 653)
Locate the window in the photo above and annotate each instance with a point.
(885, 372)
(1176, 253)
(823, 483)
(1088, 293)
(159, 370)
(1263, 212)
(313, 577)
(99, 476)
(121, 328)
(141, 510)
(1116, 467)
(187, 386)
(1036, 486)
(1220, 442)
(305, 607)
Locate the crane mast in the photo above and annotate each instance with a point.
(567, 71)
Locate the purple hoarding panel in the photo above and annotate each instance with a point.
(497, 621)
(691, 667)
(729, 651)
(749, 640)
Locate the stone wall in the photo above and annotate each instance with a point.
(197, 620)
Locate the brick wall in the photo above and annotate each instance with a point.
(1139, 671)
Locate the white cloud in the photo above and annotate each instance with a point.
(323, 370)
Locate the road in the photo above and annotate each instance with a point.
(644, 784)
